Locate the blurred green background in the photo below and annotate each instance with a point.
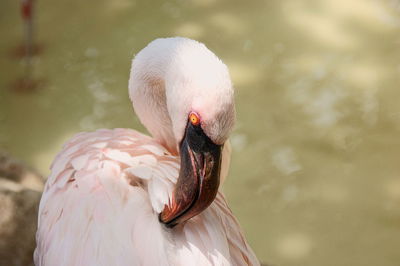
(315, 173)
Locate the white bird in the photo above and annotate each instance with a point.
(118, 197)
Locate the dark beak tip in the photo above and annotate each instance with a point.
(166, 223)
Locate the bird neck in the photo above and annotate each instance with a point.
(148, 95)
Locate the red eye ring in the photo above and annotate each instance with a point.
(194, 118)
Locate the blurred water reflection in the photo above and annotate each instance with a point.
(315, 173)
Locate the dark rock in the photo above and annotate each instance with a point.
(20, 192)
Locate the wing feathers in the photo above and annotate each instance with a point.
(101, 205)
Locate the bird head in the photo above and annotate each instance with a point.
(183, 94)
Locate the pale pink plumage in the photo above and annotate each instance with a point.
(101, 203)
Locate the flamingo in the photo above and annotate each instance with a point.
(119, 197)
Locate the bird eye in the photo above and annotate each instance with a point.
(194, 119)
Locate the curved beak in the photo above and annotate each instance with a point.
(198, 180)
